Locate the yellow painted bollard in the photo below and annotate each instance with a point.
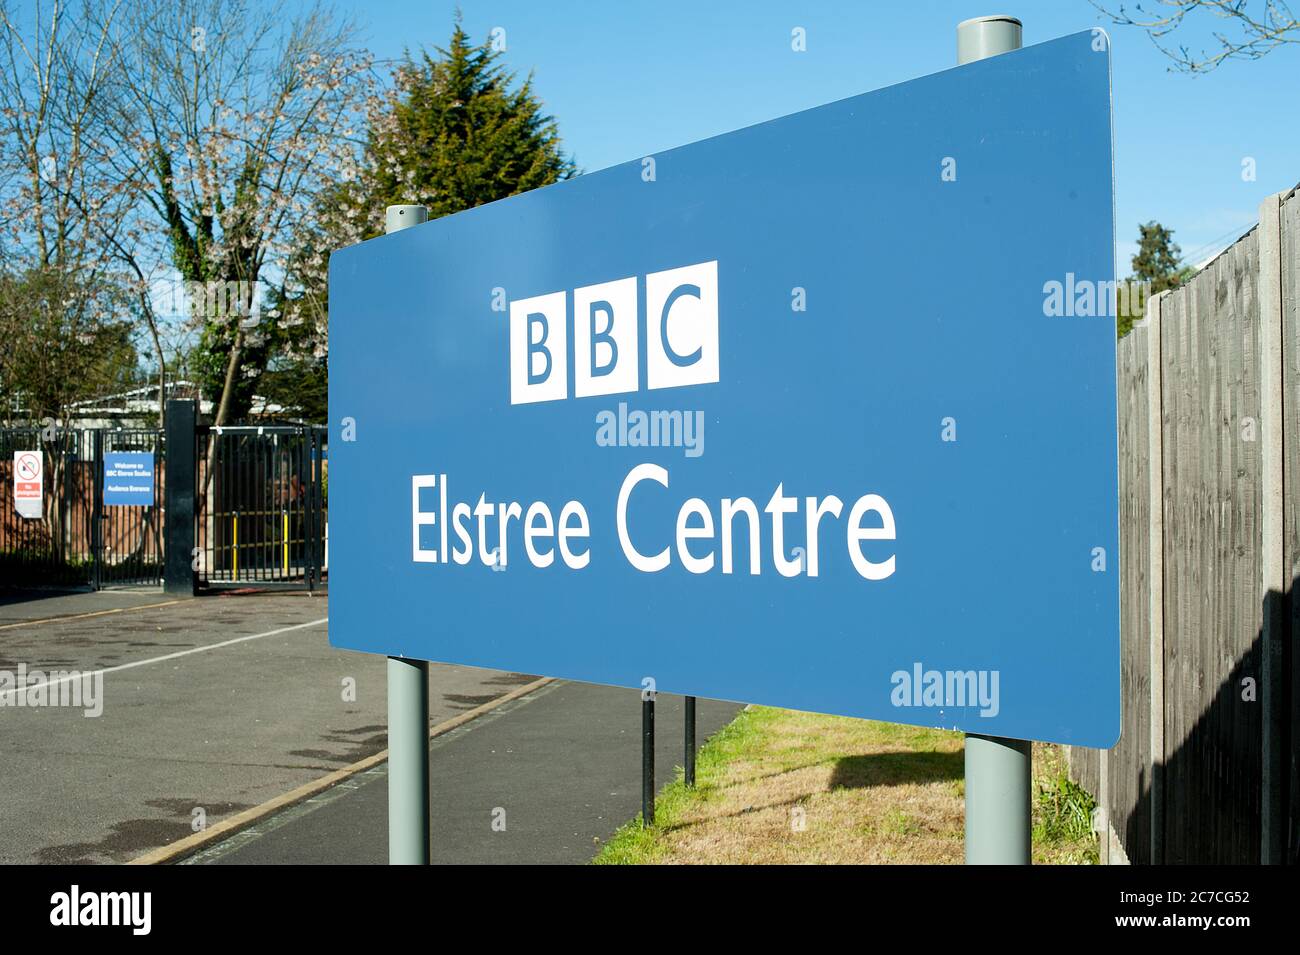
(234, 547)
(285, 545)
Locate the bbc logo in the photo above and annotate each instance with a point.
(681, 337)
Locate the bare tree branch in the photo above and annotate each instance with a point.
(1254, 27)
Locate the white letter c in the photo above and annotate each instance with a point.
(641, 472)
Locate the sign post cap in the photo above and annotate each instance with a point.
(397, 218)
(981, 37)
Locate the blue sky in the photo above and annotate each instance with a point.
(628, 79)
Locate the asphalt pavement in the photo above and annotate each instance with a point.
(209, 707)
(545, 778)
(25, 606)
(218, 706)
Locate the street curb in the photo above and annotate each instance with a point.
(92, 613)
(175, 851)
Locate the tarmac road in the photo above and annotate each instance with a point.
(545, 778)
(216, 705)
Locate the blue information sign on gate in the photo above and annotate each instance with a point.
(819, 413)
(128, 478)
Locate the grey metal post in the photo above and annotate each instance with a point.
(997, 801)
(997, 770)
(408, 708)
(986, 36)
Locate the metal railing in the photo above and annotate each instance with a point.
(77, 539)
(262, 505)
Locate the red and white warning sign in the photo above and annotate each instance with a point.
(29, 477)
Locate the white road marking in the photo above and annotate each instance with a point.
(169, 656)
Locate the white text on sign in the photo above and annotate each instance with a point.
(701, 543)
(681, 336)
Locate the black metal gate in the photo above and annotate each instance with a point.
(262, 506)
(78, 540)
(128, 538)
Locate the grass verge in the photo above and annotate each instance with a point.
(779, 786)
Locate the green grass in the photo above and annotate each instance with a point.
(1063, 812)
(633, 843)
(782, 786)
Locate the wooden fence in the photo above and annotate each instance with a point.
(1209, 448)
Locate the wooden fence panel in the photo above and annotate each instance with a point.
(1211, 488)
(1213, 598)
(1290, 256)
(1129, 771)
(1085, 767)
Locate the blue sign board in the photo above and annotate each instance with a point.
(820, 413)
(128, 478)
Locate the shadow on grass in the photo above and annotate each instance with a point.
(854, 772)
(895, 769)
